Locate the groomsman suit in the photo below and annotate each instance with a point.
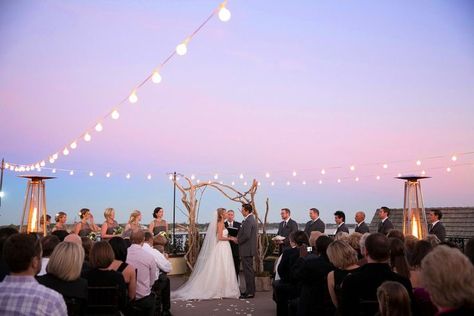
(342, 228)
(247, 239)
(285, 229)
(362, 228)
(385, 226)
(316, 225)
(233, 229)
(437, 228)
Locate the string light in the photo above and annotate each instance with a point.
(65, 152)
(149, 177)
(423, 172)
(288, 183)
(454, 158)
(107, 174)
(53, 171)
(267, 175)
(182, 48)
(193, 177)
(320, 181)
(357, 179)
(73, 145)
(294, 173)
(133, 97)
(352, 168)
(115, 115)
(127, 176)
(99, 127)
(71, 173)
(91, 174)
(42, 163)
(87, 137)
(323, 172)
(55, 156)
(224, 13)
(377, 177)
(273, 183)
(216, 176)
(385, 166)
(198, 181)
(448, 169)
(28, 168)
(51, 160)
(233, 183)
(171, 177)
(304, 182)
(418, 162)
(241, 176)
(245, 183)
(156, 77)
(338, 180)
(399, 175)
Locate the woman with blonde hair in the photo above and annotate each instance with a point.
(158, 224)
(133, 224)
(86, 225)
(448, 276)
(60, 218)
(393, 299)
(344, 258)
(63, 272)
(110, 224)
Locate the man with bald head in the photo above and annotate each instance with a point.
(361, 226)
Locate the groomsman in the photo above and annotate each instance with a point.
(233, 228)
(361, 226)
(340, 219)
(315, 224)
(286, 227)
(436, 227)
(385, 224)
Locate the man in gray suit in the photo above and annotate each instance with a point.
(247, 240)
(361, 226)
(315, 224)
(436, 227)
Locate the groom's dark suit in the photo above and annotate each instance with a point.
(247, 239)
(233, 229)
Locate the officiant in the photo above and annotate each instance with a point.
(233, 228)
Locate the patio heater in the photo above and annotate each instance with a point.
(35, 205)
(414, 216)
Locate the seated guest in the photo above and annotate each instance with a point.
(344, 258)
(86, 225)
(433, 240)
(286, 288)
(410, 242)
(128, 271)
(420, 295)
(5, 232)
(359, 289)
(87, 245)
(20, 293)
(60, 218)
(393, 299)
(395, 233)
(48, 244)
(398, 260)
(362, 240)
(64, 271)
(146, 273)
(354, 242)
(161, 287)
(448, 276)
(159, 243)
(342, 236)
(61, 234)
(75, 239)
(100, 258)
(311, 271)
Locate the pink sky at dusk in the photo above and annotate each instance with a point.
(280, 87)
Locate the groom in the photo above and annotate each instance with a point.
(247, 240)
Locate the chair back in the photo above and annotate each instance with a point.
(103, 300)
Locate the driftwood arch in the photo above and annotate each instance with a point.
(190, 200)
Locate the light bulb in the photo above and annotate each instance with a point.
(148, 177)
(51, 160)
(448, 169)
(22, 169)
(423, 172)
(115, 115)
(178, 178)
(377, 177)
(27, 168)
(198, 181)
(224, 14)
(323, 171)
(107, 174)
(156, 77)
(53, 171)
(399, 175)
(418, 162)
(273, 183)
(39, 170)
(287, 182)
(127, 176)
(221, 182)
(99, 127)
(241, 176)
(245, 183)
(182, 49)
(357, 179)
(385, 166)
(133, 97)
(233, 183)
(91, 174)
(216, 176)
(42, 163)
(193, 177)
(320, 181)
(73, 145)
(259, 183)
(267, 175)
(454, 158)
(87, 137)
(12, 168)
(55, 156)
(338, 180)
(7, 165)
(294, 173)
(37, 166)
(304, 182)
(65, 152)
(171, 177)
(352, 168)
(2, 194)
(71, 172)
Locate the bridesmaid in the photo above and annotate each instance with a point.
(158, 224)
(133, 224)
(60, 219)
(86, 225)
(107, 229)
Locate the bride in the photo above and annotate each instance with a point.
(214, 273)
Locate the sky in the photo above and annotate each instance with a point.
(283, 87)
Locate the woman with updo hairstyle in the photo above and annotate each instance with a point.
(133, 224)
(393, 299)
(86, 225)
(158, 224)
(60, 218)
(110, 224)
(344, 258)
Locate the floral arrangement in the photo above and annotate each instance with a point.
(93, 236)
(164, 234)
(118, 230)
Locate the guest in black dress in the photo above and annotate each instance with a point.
(63, 275)
(127, 270)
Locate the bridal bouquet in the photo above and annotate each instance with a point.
(93, 236)
(118, 230)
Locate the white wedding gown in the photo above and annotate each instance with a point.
(213, 275)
